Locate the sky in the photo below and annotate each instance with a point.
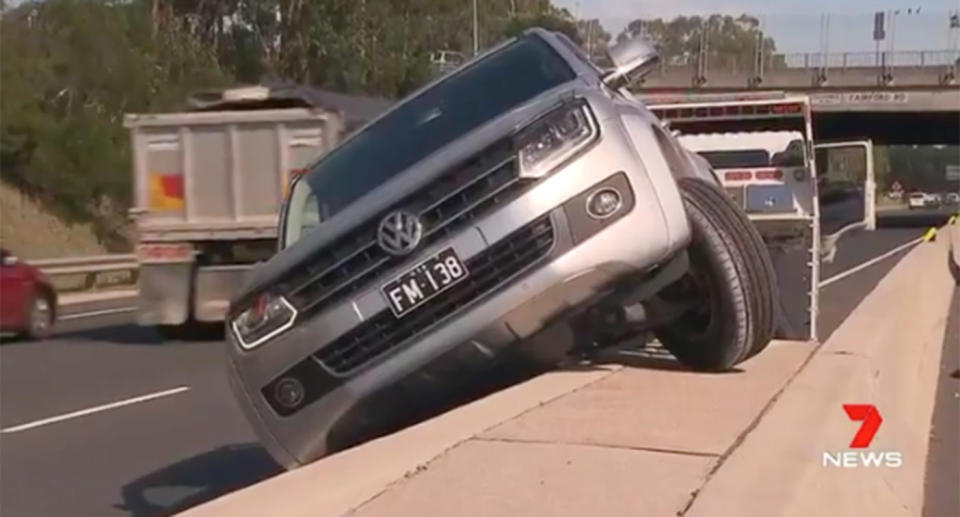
(796, 24)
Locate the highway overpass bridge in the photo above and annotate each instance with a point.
(893, 98)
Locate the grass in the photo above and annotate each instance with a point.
(31, 232)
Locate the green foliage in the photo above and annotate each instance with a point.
(922, 167)
(881, 168)
(730, 43)
(71, 69)
(547, 21)
(595, 39)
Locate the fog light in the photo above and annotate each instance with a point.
(288, 392)
(604, 203)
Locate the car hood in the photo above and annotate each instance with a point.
(269, 273)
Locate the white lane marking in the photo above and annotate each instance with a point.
(91, 314)
(874, 260)
(95, 409)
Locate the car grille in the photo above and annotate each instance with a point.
(494, 266)
(444, 206)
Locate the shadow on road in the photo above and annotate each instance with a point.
(196, 480)
(9, 339)
(913, 218)
(116, 334)
(129, 334)
(119, 334)
(648, 358)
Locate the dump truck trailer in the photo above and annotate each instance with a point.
(801, 195)
(208, 185)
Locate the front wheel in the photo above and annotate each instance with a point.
(729, 293)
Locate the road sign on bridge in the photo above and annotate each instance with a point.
(953, 172)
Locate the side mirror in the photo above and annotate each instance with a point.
(631, 59)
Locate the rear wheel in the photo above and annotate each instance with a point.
(41, 314)
(730, 292)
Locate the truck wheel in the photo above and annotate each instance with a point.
(40, 316)
(730, 291)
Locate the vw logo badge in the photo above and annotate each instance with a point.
(399, 233)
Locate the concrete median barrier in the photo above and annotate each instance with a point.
(345, 481)
(886, 354)
(643, 436)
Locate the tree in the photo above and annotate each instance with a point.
(729, 43)
(595, 38)
(922, 167)
(71, 69)
(881, 168)
(550, 21)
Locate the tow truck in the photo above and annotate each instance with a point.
(801, 195)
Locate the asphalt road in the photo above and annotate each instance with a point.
(943, 457)
(155, 456)
(839, 297)
(142, 459)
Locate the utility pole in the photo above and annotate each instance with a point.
(893, 27)
(476, 35)
(821, 76)
(590, 38)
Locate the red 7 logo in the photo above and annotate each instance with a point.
(871, 422)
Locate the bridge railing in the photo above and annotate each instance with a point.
(845, 60)
(806, 69)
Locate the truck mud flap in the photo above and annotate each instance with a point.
(164, 293)
(215, 286)
(790, 245)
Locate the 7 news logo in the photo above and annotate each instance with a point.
(870, 416)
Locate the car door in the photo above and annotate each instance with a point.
(13, 292)
(846, 190)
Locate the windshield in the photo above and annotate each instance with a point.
(734, 159)
(792, 156)
(467, 99)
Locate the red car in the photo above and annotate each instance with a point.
(28, 301)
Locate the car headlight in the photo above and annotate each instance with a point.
(555, 138)
(268, 316)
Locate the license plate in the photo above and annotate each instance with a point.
(425, 281)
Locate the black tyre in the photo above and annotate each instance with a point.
(41, 311)
(731, 284)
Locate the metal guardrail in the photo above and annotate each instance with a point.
(90, 267)
(845, 60)
(746, 62)
(746, 68)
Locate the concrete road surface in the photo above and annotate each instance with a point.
(143, 428)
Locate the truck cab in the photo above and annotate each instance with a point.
(764, 172)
